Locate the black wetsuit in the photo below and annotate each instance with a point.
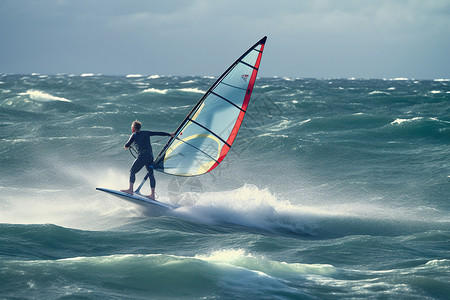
(141, 140)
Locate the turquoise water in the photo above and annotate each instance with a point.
(334, 189)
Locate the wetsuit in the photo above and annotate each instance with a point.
(141, 140)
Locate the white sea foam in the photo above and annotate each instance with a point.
(134, 76)
(442, 80)
(81, 206)
(379, 93)
(165, 91)
(79, 209)
(401, 121)
(247, 206)
(436, 92)
(42, 96)
(283, 124)
(189, 81)
(153, 77)
(304, 122)
(87, 74)
(142, 84)
(153, 90)
(192, 90)
(241, 258)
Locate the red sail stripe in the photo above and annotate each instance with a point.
(240, 118)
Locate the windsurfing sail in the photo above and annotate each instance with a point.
(206, 135)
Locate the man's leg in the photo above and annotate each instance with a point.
(152, 180)
(136, 167)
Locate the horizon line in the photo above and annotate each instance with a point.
(156, 76)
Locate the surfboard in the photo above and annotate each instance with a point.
(137, 198)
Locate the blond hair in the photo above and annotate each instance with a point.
(137, 125)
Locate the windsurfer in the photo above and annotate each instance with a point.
(141, 140)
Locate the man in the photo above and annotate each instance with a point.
(141, 140)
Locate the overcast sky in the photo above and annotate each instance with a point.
(306, 38)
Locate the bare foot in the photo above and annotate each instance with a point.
(151, 197)
(127, 191)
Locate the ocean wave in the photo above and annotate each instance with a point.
(134, 76)
(153, 90)
(429, 120)
(238, 258)
(165, 91)
(281, 125)
(188, 82)
(241, 258)
(401, 121)
(354, 121)
(228, 273)
(155, 275)
(273, 135)
(141, 84)
(247, 206)
(33, 140)
(320, 196)
(379, 93)
(43, 96)
(428, 236)
(192, 90)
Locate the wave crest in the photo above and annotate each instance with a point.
(42, 96)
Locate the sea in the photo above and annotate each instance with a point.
(333, 189)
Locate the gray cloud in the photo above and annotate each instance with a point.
(306, 38)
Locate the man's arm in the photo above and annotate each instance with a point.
(130, 141)
(160, 133)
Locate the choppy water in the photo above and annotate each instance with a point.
(334, 189)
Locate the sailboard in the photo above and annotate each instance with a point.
(137, 198)
(206, 135)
